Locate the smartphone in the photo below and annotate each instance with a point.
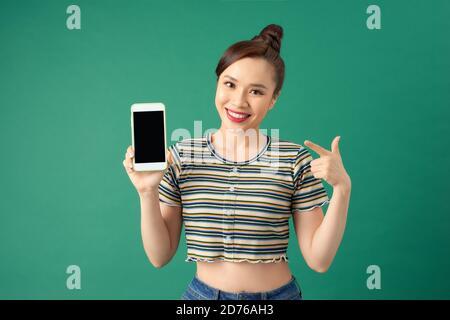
(148, 131)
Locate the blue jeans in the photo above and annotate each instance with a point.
(198, 290)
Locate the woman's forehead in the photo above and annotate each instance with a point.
(250, 70)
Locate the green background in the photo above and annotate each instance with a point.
(65, 98)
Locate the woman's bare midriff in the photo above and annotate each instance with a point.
(244, 276)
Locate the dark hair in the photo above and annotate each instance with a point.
(266, 45)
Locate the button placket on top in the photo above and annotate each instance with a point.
(231, 199)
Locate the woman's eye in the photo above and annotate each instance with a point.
(231, 85)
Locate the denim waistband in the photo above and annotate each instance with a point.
(204, 291)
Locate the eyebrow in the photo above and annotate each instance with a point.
(252, 84)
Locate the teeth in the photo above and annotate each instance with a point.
(237, 115)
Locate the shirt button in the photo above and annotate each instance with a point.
(228, 237)
(232, 188)
(235, 170)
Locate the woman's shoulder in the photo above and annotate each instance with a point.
(290, 152)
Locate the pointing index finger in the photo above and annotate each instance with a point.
(316, 148)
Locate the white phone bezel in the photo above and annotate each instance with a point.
(153, 106)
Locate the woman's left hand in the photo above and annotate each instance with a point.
(329, 166)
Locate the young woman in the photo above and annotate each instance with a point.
(236, 189)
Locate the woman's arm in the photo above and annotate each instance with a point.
(160, 228)
(160, 223)
(319, 237)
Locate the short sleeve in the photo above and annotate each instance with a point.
(309, 191)
(169, 190)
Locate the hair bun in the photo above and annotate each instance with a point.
(272, 35)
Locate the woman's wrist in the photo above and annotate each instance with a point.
(344, 188)
(149, 193)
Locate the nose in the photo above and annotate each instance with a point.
(239, 99)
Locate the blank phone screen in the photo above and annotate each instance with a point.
(149, 136)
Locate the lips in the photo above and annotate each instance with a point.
(237, 116)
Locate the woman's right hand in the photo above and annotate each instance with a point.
(143, 181)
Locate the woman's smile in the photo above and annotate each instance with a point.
(237, 116)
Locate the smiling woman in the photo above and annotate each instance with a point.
(250, 76)
(242, 223)
(236, 190)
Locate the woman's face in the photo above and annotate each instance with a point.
(246, 88)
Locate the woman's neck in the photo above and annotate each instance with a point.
(238, 144)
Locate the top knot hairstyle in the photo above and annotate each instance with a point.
(266, 45)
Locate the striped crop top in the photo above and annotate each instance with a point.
(239, 211)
